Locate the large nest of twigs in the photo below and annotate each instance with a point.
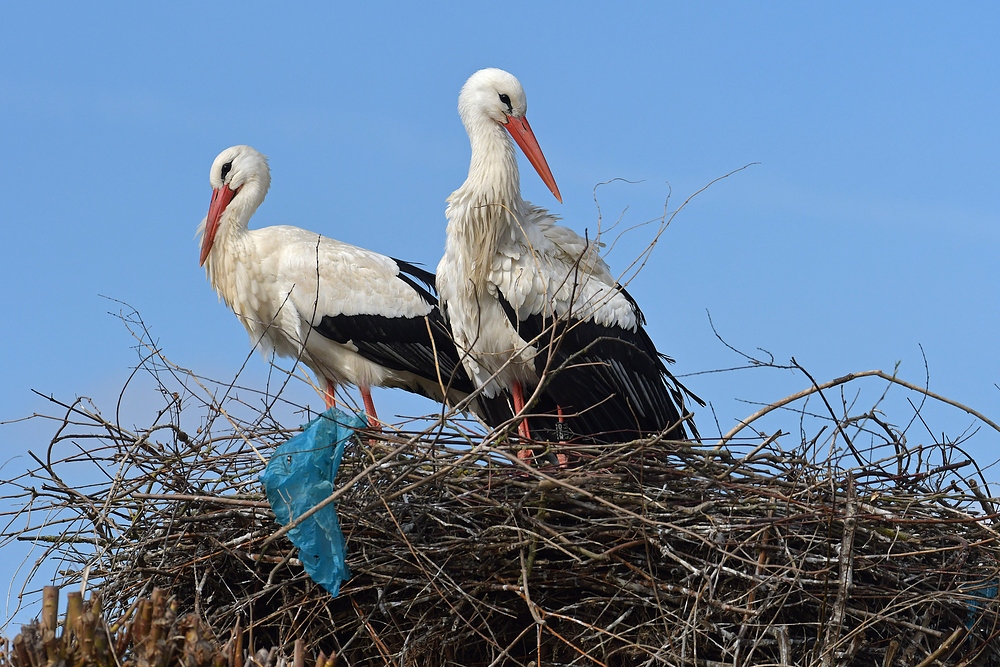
(732, 552)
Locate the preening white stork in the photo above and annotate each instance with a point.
(351, 315)
(524, 295)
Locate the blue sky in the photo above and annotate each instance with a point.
(868, 229)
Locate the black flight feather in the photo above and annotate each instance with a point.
(408, 272)
(611, 383)
(404, 343)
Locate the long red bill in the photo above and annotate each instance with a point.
(525, 138)
(220, 200)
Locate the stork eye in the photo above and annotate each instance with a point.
(226, 168)
(504, 98)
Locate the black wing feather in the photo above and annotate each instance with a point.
(611, 380)
(411, 273)
(404, 343)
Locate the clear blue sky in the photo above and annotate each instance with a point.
(869, 228)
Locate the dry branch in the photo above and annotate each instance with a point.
(648, 553)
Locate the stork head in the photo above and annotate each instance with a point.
(495, 96)
(234, 169)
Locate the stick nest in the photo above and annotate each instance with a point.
(646, 553)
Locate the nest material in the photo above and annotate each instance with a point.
(646, 553)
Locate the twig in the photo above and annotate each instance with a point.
(841, 380)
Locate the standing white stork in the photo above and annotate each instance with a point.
(351, 315)
(529, 299)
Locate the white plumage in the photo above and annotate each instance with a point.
(351, 315)
(510, 274)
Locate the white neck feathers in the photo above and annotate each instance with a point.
(488, 206)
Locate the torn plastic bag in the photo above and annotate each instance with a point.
(298, 477)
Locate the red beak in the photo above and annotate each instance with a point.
(525, 138)
(220, 200)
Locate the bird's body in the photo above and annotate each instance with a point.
(536, 269)
(526, 296)
(353, 316)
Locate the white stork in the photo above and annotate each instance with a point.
(524, 295)
(351, 315)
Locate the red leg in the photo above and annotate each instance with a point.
(366, 396)
(328, 395)
(561, 458)
(518, 395)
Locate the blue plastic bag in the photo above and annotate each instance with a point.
(983, 595)
(298, 477)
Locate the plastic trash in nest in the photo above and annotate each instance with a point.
(981, 596)
(298, 477)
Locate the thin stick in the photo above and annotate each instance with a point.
(842, 380)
